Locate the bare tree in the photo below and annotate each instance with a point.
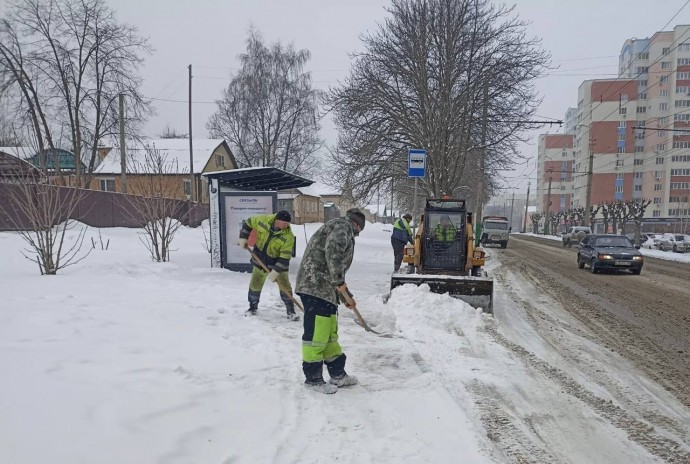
(69, 60)
(637, 208)
(42, 215)
(171, 133)
(152, 201)
(535, 218)
(270, 113)
(432, 75)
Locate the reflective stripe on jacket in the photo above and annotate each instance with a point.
(273, 247)
(402, 231)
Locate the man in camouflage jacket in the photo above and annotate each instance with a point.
(320, 278)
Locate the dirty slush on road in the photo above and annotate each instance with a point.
(644, 319)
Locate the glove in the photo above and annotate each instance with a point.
(273, 275)
(342, 288)
(242, 242)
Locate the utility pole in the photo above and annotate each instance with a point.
(191, 148)
(547, 220)
(512, 205)
(123, 154)
(524, 224)
(588, 197)
(480, 188)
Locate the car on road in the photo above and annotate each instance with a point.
(674, 242)
(574, 235)
(609, 252)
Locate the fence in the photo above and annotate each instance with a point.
(98, 209)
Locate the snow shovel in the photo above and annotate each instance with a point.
(360, 320)
(265, 268)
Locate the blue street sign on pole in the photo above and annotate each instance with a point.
(416, 163)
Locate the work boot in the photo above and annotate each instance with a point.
(321, 387)
(292, 315)
(344, 380)
(251, 311)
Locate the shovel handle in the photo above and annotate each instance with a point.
(266, 269)
(353, 306)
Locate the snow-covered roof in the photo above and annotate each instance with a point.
(175, 151)
(310, 190)
(19, 152)
(286, 196)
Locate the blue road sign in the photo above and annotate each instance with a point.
(416, 163)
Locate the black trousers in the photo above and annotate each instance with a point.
(398, 249)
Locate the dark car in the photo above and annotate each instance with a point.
(609, 252)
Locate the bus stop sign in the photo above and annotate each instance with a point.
(416, 163)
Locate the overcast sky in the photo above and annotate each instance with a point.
(584, 38)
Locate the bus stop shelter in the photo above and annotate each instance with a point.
(234, 196)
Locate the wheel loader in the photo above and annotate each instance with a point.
(444, 257)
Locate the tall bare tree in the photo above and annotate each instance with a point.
(69, 60)
(426, 79)
(270, 113)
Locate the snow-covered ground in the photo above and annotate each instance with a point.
(119, 359)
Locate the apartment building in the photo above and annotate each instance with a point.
(555, 169)
(633, 126)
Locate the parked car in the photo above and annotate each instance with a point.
(674, 242)
(631, 237)
(609, 252)
(574, 235)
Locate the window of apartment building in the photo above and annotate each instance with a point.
(642, 70)
(107, 185)
(187, 185)
(619, 163)
(660, 160)
(681, 117)
(622, 110)
(680, 185)
(619, 176)
(680, 158)
(664, 93)
(642, 96)
(658, 187)
(624, 98)
(663, 80)
(621, 124)
(682, 89)
(656, 213)
(643, 56)
(682, 103)
(660, 147)
(621, 137)
(638, 162)
(683, 61)
(620, 150)
(660, 134)
(684, 47)
(665, 65)
(663, 106)
(638, 175)
(680, 172)
(682, 76)
(642, 83)
(657, 200)
(663, 121)
(639, 149)
(659, 174)
(681, 144)
(637, 188)
(666, 50)
(619, 189)
(639, 134)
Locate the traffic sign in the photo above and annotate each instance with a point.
(416, 162)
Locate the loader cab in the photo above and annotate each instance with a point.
(443, 240)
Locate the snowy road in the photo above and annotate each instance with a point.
(622, 337)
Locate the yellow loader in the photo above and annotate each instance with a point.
(444, 256)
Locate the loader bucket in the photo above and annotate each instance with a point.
(476, 291)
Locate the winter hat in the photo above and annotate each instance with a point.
(356, 216)
(408, 217)
(283, 215)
